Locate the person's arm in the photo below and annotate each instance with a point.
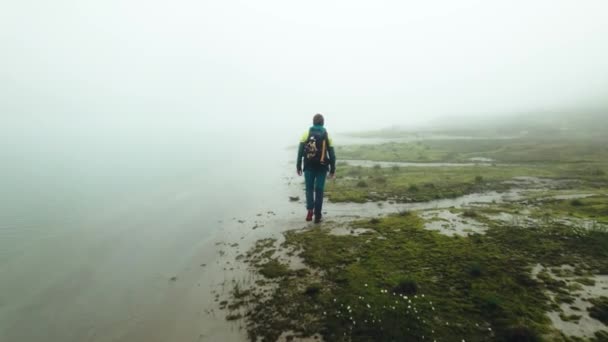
(332, 158)
(301, 153)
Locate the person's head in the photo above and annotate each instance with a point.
(318, 120)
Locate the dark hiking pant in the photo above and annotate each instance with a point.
(315, 184)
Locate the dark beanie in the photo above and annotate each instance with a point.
(318, 120)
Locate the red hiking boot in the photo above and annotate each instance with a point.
(309, 215)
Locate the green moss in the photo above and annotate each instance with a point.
(468, 284)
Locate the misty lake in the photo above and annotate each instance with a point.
(95, 225)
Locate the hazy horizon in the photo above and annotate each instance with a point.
(236, 63)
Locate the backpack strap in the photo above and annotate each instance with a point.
(324, 148)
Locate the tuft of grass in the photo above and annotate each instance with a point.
(599, 310)
(234, 317)
(469, 213)
(407, 287)
(274, 269)
(475, 270)
(601, 336)
(404, 213)
(585, 281)
(569, 318)
(313, 290)
(380, 180)
(362, 184)
(576, 203)
(520, 334)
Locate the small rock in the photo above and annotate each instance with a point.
(294, 198)
(174, 278)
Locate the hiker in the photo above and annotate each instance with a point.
(317, 150)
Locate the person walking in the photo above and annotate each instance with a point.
(317, 151)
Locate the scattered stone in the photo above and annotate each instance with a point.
(294, 198)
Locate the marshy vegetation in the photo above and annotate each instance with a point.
(539, 263)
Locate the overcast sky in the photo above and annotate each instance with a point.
(365, 64)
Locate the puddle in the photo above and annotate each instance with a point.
(523, 220)
(343, 211)
(385, 164)
(537, 182)
(581, 223)
(519, 220)
(481, 159)
(586, 326)
(450, 224)
(572, 196)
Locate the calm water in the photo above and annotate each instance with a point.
(93, 226)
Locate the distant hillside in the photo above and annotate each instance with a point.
(584, 123)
